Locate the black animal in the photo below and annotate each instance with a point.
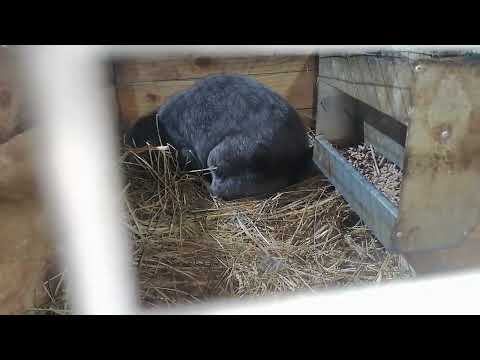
(252, 138)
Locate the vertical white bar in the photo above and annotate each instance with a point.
(75, 151)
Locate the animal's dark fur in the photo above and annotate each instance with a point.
(253, 137)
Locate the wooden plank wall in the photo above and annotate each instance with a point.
(372, 89)
(380, 82)
(143, 85)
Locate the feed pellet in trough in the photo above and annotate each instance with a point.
(381, 172)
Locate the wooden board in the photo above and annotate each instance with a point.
(383, 83)
(193, 67)
(308, 117)
(342, 120)
(440, 201)
(136, 100)
(463, 257)
(383, 132)
(336, 116)
(383, 144)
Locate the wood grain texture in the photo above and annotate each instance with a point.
(193, 67)
(136, 100)
(440, 201)
(336, 115)
(466, 256)
(308, 117)
(383, 83)
(439, 215)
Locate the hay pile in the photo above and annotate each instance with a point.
(189, 247)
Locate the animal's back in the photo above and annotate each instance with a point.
(257, 129)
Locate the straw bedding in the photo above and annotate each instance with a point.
(189, 248)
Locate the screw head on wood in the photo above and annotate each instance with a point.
(419, 68)
(445, 134)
